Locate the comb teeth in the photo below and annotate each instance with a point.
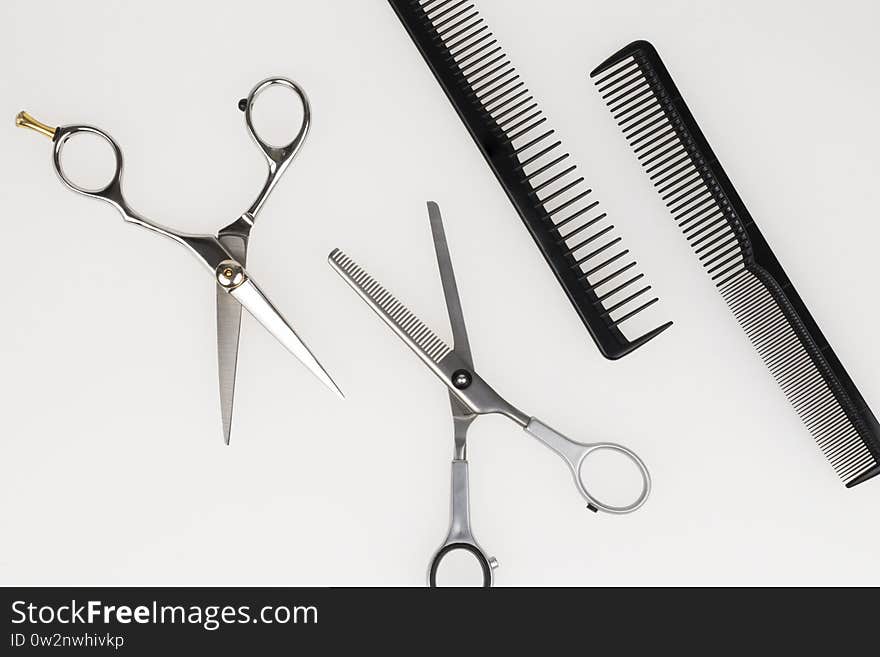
(779, 346)
(393, 311)
(680, 174)
(671, 148)
(575, 235)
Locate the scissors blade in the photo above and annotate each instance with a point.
(479, 398)
(409, 328)
(450, 289)
(228, 332)
(477, 395)
(462, 416)
(258, 305)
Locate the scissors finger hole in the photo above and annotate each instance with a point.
(87, 161)
(614, 479)
(278, 115)
(460, 565)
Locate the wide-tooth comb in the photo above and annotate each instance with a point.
(597, 273)
(422, 339)
(674, 152)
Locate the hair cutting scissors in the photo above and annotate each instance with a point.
(225, 254)
(471, 396)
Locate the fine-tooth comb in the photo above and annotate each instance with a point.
(393, 311)
(573, 234)
(671, 147)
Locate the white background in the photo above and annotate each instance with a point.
(113, 467)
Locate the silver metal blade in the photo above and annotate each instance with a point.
(477, 396)
(408, 327)
(461, 415)
(450, 289)
(255, 302)
(228, 332)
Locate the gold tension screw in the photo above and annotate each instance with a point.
(25, 120)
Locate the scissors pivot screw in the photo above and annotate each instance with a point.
(230, 274)
(462, 379)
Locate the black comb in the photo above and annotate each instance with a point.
(671, 147)
(575, 236)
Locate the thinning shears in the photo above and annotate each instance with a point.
(471, 396)
(225, 254)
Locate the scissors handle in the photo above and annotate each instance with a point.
(277, 157)
(575, 453)
(205, 247)
(471, 547)
(460, 536)
(110, 192)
